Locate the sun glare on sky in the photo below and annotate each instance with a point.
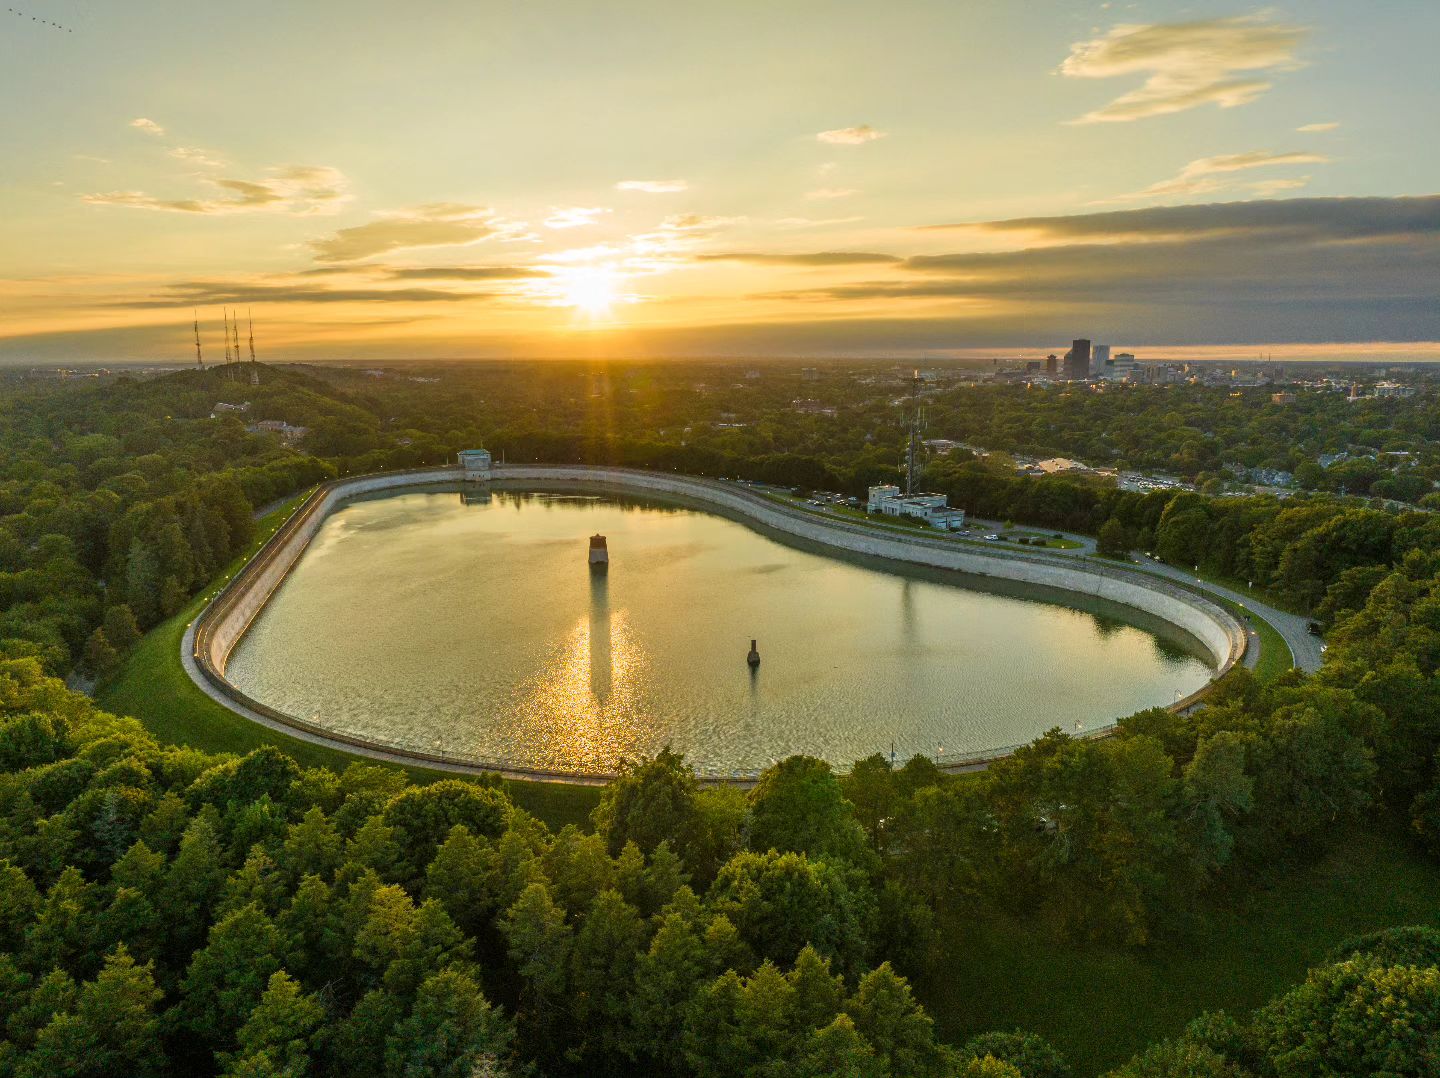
(591, 290)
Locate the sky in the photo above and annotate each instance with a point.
(618, 178)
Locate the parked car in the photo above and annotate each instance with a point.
(1313, 628)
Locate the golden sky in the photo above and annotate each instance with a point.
(704, 179)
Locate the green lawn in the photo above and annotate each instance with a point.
(153, 687)
(1099, 1005)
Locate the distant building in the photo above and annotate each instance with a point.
(1393, 389)
(1051, 365)
(476, 463)
(1100, 359)
(1282, 398)
(810, 374)
(1123, 366)
(933, 509)
(1077, 360)
(278, 426)
(810, 406)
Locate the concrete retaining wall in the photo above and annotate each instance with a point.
(224, 621)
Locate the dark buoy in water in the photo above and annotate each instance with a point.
(754, 657)
(599, 555)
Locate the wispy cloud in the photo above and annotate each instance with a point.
(441, 224)
(150, 127)
(811, 258)
(300, 190)
(461, 273)
(653, 187)
(219, 293)
(1316, 129)
(574, 216)
(851, 136)
(1224, 62)
(815, 222)
(832, 192)
(193, 156)
(1205, 175)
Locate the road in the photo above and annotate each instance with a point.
(1295, 629)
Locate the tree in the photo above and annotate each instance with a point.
(798, 806)
(99, 658)
(275, 1039)
(112, 1030)
(228, 976)
(121, 628)
(779, 902)
(452, 1031)
(1114, 540)
(1029, 1053)
(423, 815)
(1355, 1017)
(887, 1015)
(648, 803)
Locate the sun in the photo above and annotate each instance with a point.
(591, 290)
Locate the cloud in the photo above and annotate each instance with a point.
(221, 293)
(1186, 65)
(574, 216)
(1319, 219)
(850, 136)
(815, 222)
(1315, 129)
(1201, 175)
(150, 127)
(457, 273)
(814, 258)
(653, 187)
(300, 190)
(1296, 270)
(831, 192)
(196, 157)
(441, 224)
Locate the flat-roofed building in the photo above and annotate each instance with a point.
(475, 463)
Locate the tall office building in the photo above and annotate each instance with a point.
(1051, 367)
(1099, 360)
(1077, 360)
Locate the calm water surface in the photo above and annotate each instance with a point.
(476, 628)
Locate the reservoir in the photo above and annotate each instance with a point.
(471, 625)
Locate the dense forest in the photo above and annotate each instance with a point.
(168, 911)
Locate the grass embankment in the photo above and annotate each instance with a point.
(1099, 1005)
(153, 687)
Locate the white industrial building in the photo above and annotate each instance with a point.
(475, 463)
(933, 509)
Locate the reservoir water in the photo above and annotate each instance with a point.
(472, 626)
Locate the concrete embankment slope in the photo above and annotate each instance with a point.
(209, 642)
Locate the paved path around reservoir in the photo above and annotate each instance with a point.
(1294, 629)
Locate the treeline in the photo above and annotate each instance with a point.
(1298, 547)
(166, 911)
(117, 503)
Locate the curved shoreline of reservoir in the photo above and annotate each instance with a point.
(210, 640)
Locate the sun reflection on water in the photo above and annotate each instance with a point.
(585, 707)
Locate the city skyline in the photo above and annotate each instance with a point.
(649, 181)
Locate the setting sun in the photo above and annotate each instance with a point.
(591, 290)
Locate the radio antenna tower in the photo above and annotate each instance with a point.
(914, 435)
(199, 361)
(226, 316)
(254, 367)
(235, 333)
